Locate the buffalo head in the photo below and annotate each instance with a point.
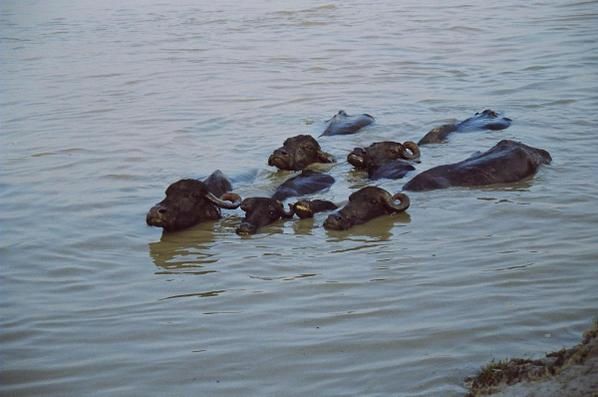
(297, 153)
(260, 211)
(487, 119)
(365, 204)
(187, 203)
(379, 153)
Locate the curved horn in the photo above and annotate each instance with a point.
(293, 211)
(412, 147)
(229, 201)
(356, 160)
(302, 209)
(404, 202)
(289, 213)
(324, 157)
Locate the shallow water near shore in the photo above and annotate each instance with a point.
(104, 104)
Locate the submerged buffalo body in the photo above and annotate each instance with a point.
(297, 153)
(485, 120)
(189, 202)
(507, 162)
(385, 159)
(364, 205)
(260, 211)
(344, 124)
(307, 182)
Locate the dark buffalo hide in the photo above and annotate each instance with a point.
(297, 153)
(344, 124)
(385, 159)
(189, 202)
(364, 205)
(260, 211)
(507, 162)
(307, 182)
(485, 120)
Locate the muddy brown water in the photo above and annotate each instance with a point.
(104, 104)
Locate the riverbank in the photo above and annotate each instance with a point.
(568, 372)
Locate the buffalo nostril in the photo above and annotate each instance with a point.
(337, 222)
(155, 216)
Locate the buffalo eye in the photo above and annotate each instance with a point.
(374, 201)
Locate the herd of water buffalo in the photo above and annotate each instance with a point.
(189, 201)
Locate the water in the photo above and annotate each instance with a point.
(104, 104)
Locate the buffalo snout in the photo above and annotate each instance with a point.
(366, 204)
(246, 228)
(279, 159)
(155, 216)
(337, 222)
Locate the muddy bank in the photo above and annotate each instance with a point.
(569, 372)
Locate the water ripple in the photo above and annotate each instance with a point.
(105, 105)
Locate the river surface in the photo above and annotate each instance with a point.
(105, 103)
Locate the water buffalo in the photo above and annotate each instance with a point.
(189, 201)
(485, 120)
(365, 204)
(260, 211)
(297, 153)
(343, 124)
(385, 159)
(305, 183)
(307, 208)
(506, 162)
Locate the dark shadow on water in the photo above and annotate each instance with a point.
(205, 294)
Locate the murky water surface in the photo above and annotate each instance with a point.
(104, 104)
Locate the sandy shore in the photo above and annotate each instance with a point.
(569, 372)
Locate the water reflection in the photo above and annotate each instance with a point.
(187, 251)
(304, 226)
(378, 229)
(357, 178)
(519, 186)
